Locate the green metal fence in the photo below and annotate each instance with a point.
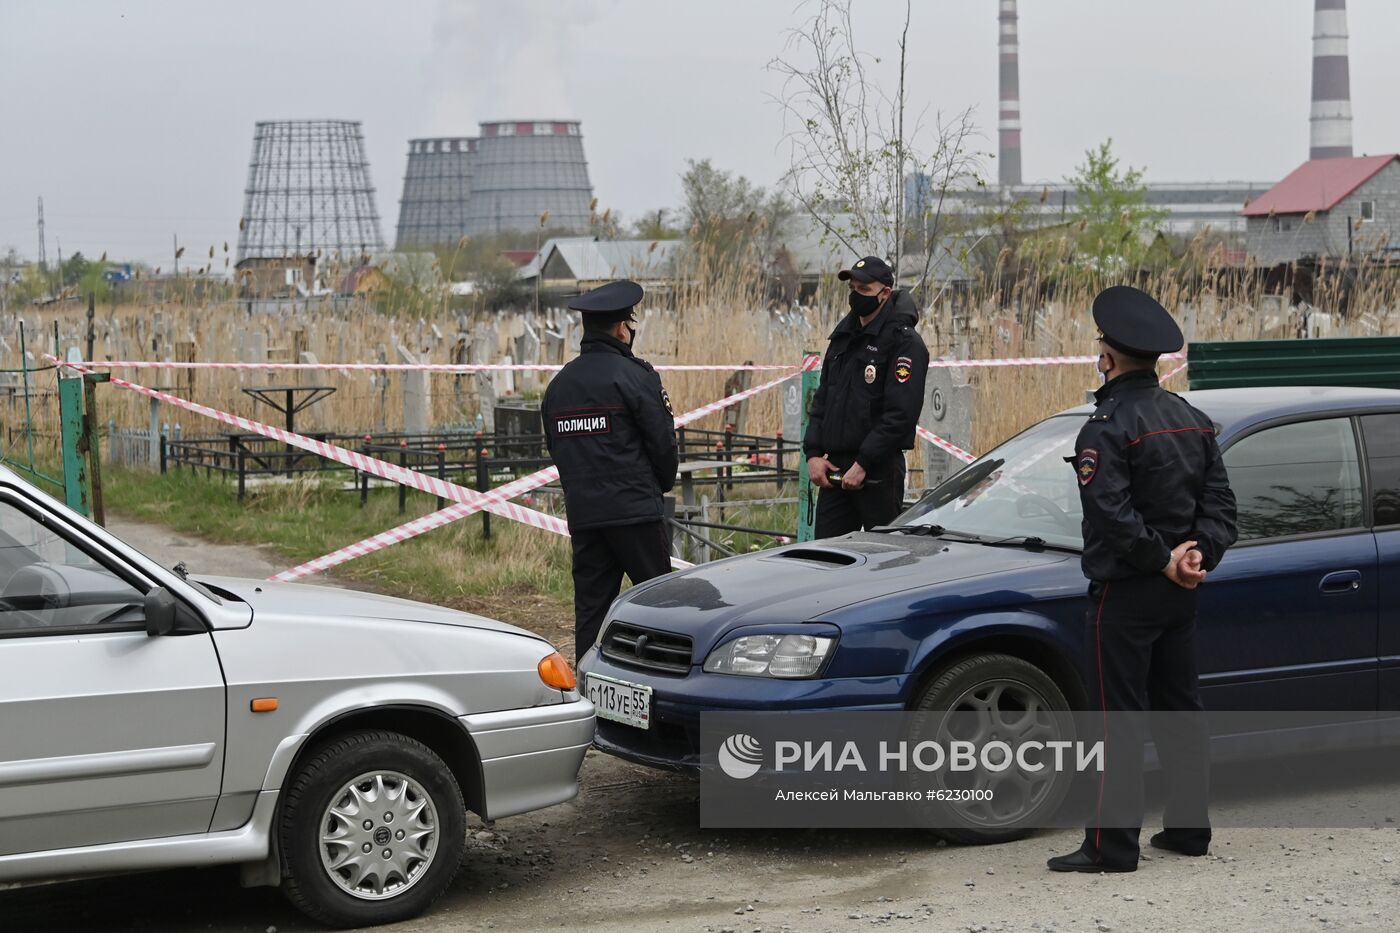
(1369, 362)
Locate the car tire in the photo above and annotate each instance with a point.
(975, 677)
(373, 830)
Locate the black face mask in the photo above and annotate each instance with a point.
(864, 305)
(631, 336)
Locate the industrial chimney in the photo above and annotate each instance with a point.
(1331, 82)
(1009, 117)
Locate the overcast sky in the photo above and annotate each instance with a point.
(135, 120)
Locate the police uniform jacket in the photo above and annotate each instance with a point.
(1150, 477)
(872, 388)
(610, 430)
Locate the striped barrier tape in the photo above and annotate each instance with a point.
(460, 510)
(362, 462)
(945, 444)
(421, 367)
(554, 367)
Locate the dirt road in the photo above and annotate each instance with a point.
(628, 855)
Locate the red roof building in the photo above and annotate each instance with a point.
(1317, 185)
(1328, 208)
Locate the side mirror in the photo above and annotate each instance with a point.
(160, 612)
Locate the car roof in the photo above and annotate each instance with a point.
(1235, 409)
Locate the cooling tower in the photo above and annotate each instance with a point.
(436, 185)
(1331, 82)
(308, 191)
(1009, 114)
(523, 169)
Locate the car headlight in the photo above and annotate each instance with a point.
(770, 655)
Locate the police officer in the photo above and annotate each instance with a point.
(610, 430)
(1158, 516)
(867, 404)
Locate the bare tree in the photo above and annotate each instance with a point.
(854, 146)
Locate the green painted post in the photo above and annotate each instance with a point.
(806, 492)
(76, 493)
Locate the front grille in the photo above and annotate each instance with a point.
(647, 648)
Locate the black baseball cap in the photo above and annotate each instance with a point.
(869, 269)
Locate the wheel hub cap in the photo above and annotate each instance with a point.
(379, 835)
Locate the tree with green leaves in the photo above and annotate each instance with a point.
(1114, 223)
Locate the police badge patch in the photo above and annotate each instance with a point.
(666, 400)
(903, 369)
(870, 374)
(1087, 465)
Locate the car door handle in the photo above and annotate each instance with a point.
(1341, 581)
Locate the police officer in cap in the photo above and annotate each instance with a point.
(1158, 516)
(867, 404)
(609, 427)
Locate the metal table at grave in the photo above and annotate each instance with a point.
(289, 400)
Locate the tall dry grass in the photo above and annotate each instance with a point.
(713, 313)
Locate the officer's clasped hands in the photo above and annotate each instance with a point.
(1184, 568)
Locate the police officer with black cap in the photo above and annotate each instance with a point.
(1158, 516)
(867, 404)
(609, 427)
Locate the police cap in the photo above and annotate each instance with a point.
(609, 303)
(1131, 321)
(869, 269)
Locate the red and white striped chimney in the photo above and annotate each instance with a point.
(1331, 82)
(1009, 115)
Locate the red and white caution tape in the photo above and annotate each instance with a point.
(554, 367)
(944, 444)
(1173, 372)
(1028, 361)
(420, 367)
(510, 490)
(492, 501)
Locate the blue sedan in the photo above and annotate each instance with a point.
(974, 598)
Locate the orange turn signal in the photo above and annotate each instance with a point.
(555, 672)
(263, 704)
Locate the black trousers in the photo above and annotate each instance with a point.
(601, 557)
(1141, 666)
(841, 511)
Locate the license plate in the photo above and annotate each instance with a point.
(618, 700)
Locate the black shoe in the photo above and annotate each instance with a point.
(1163, 840)
(1079, 860)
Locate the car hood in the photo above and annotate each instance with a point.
(270, 600)
(811, 582)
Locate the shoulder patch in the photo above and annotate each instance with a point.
(1087, 465)
(903, 369)
(666, 400)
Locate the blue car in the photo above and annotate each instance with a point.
(974, 598)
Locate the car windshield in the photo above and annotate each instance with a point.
(1022, 488)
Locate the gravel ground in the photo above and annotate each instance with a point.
(628, 855)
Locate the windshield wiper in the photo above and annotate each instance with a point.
(931, 531)
(1030, 543)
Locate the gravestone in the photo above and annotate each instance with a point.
(948, 413)
(417, 395)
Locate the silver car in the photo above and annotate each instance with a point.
(328, 741)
